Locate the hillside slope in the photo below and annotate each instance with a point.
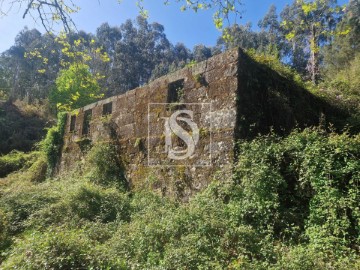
(21, 127)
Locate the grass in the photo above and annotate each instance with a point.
(292, 204)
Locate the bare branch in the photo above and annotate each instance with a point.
(28, 8)
(47, 11)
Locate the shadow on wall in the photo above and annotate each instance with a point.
(267, 101)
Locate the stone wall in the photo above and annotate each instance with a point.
(212, 85)
(232, 98)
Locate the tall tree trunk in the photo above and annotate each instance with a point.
(13, 90)
(314, 55)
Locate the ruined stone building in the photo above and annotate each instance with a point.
(231, 97)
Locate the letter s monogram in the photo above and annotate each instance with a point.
(191, 140)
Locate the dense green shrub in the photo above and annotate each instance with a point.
(81, 203)
(38, 170)
(53, 142)
(105, 167)
(307, 257)
(76, 86)
(94, 203)
(15, 161)
(4, 233)
(293, 204)
(20, 204)
(346, 80)
(341, 87)
(272, 61)
(59, 248)
(204, 234)
(303, 188)
(21, 126)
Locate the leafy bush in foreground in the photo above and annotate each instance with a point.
(105, 167)
(84, 202)
(15, 161)
(20, 203)
(60, 249)
(304, 185)
(293, 204)
(53, 142)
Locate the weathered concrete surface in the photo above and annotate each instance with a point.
(245, 98)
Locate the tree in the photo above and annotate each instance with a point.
(60, 11)
(107, 38)
(295, 48)
(243, 36)
(121, 57)
(346, 42)
(270, 20)
(32, 64)
(47, 11)
(314, 22)
(75, 88)
(143, 46)
(181, 53)
(4, 79)
(22, 74)
(353, 20)
(176, 57)
(201, 53)
(270, 28)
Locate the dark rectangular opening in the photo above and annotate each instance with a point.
(72, 123)
(107, 108)
(175, 91)
(86, 123)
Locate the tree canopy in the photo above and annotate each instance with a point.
(318, 39)
(75, 88)
(54, 12)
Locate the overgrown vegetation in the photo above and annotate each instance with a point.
(15, 161)
(292, 204)
(53, 142)
(105, 166)
(75, 88)
(21, 126)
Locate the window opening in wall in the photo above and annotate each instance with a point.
(86, 123)
(107, 108)
(175, 91)
(72, 123)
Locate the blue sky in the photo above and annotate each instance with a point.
(186, 27)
